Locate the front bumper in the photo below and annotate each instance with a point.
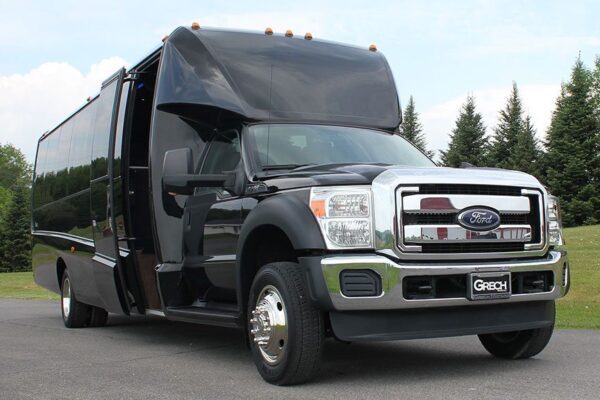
(324, 280)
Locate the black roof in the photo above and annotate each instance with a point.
(276, 78)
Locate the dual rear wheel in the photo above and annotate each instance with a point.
(76, 314)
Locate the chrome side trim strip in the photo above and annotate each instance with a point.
(453, 203)
(457, 234)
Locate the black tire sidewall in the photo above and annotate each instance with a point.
(269, 276)
(78, 312)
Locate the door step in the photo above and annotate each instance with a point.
(208, 316)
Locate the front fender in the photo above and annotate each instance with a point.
(290, 213)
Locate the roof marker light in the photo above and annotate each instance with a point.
(289, 33)
(372, 48)
(268, 31)
(308, 36)
(165, 38)
(89, 98)
(195, 25)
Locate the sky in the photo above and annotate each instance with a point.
(54, 54)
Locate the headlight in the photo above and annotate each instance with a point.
(554, 224)
(344, 216)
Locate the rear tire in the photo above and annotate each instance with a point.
(98, 317)
(286, 333)
(517, 344)
(74, 313)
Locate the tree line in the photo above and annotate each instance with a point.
(567, 161)
(15, 206)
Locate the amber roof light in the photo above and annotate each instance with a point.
(289, 33)
(195, 25)
(268, 31)
(372, 48)
(308, 36)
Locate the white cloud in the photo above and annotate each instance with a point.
(538, 101)
(35, 102)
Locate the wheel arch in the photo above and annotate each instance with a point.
(284, 223)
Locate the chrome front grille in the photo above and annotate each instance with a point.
(428, 221)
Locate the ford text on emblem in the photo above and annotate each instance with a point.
(479, 219)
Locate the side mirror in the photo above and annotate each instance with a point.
(179, 178)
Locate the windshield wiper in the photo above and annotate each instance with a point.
(277, 167)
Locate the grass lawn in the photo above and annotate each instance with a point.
(20, 285)
(580, 309)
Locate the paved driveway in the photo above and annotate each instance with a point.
(150, 358)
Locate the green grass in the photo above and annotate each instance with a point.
(20, 285)
(580, 309)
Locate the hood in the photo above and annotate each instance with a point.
(364, 174)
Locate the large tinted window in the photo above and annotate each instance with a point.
(280, 145)
(40, 163)
(102, 130)
(81, 149)
(52, 185)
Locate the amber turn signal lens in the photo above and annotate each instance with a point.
(318, 207)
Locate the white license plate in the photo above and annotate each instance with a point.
(489, 286)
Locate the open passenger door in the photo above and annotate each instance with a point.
(109, 268)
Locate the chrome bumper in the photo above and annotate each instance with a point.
(392, 274)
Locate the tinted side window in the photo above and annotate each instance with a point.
(81, 149)
(223, 154)
(51, 185)
(102, 130)
(38, 183)
(62, 162)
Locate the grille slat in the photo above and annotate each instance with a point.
(446, 219)
(470, 189)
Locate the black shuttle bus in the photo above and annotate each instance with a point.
(258, 181)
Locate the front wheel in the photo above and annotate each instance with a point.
(286, 332)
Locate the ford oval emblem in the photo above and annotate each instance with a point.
(479, 219)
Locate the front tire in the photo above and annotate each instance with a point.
(286, 332)
(517, 344)
(74, 313)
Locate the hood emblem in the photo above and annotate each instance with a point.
(479, 219)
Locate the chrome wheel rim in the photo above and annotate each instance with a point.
(66, 298)
(268, 325)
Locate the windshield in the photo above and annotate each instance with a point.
(290, 146)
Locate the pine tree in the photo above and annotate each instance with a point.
(572, 158)
(15, 236)
(411, 128)
(526, 153)
(507, 132)
(467, 141)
